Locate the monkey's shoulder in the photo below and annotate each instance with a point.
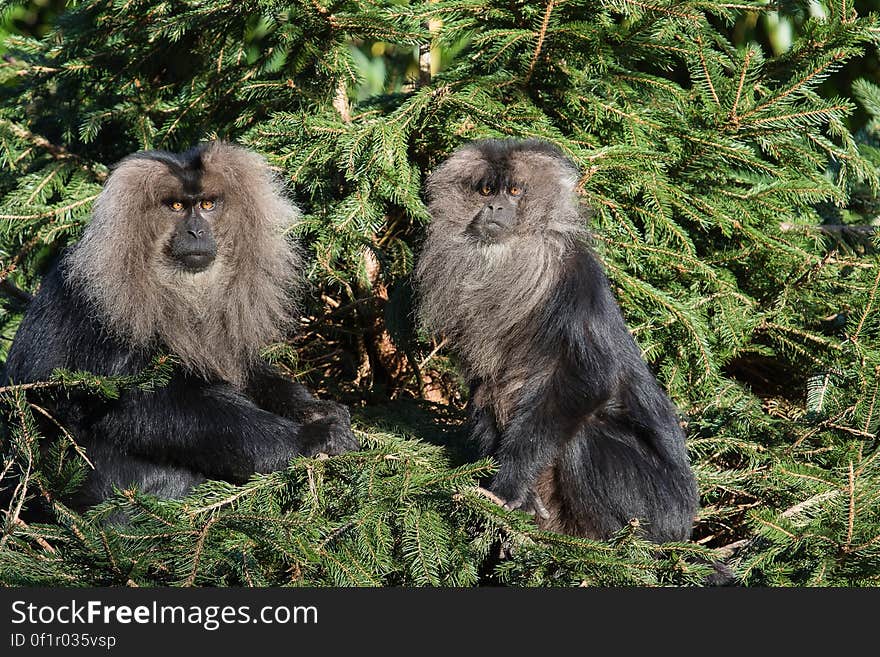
(582, 326)
(62, 329)
(582, 271)
(582, 292)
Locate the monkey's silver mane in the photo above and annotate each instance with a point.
(482, 296)
(215, 321)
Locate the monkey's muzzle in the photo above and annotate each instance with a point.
(493, 223)
(196, 261)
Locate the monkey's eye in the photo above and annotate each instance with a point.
(515, 190)
(207, 204)
(486, 190)
(176, 206)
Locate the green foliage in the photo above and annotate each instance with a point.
(393, 514)
(721, 178)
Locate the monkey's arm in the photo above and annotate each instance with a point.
(290, 399)
(210, 428)
(482, 427)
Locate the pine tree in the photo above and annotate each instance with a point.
(721, 179)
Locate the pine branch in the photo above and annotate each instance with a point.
(542, 34)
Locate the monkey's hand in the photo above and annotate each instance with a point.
(328, 431)
(530, 503)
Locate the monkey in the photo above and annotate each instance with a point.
(185, 254)
(583, 435)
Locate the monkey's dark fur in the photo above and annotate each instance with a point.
(186, 254)
(583, 434)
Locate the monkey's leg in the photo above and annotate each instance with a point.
(484, 431)
(610, 476)
(482, 427)
(530, 443)
(115, 470)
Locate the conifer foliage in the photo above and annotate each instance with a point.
(720, 180)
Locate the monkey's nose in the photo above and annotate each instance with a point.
(196, 233)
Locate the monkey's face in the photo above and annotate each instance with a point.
(496, 220)
(499, 192)
(192, 245)
(188, 196)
